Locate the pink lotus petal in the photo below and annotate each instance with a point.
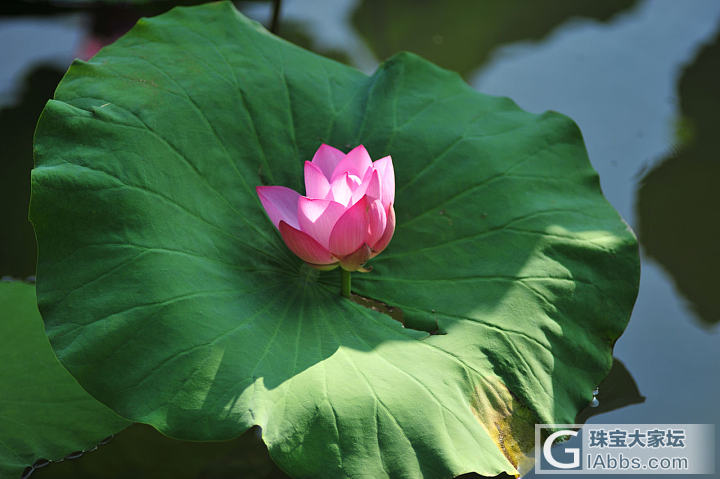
(377, 221)
(316, 184)
(374, 188)
(317, 218)
(341, 189)
(347, 215)
(387, 235)
(356, 259)
(280, 203)
(350, 230)
(369, 187)
(306, 248)
(359, 190)
(356, 162)
(326, 158)
(384, 167)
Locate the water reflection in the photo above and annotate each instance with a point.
(677, 203)
(141, 451)
(616, 80)
(461, 34)
(17, 124)
(617, 390)
(29, 41)
(327, 22)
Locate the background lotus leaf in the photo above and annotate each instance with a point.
(463, 35)
(674, 229)
(44, 413)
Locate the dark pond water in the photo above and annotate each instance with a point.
(641, 78)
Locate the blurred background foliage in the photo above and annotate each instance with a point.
(678, 200)
(461, 35)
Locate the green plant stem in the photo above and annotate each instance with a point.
(275, 23)
(345, 281)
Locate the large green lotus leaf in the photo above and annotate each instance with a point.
(44, 413)
(170, 296)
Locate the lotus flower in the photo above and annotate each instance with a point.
(347, 215)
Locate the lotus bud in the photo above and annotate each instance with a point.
(346, 216)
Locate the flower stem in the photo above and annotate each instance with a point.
(345, 281)
(275, 23)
